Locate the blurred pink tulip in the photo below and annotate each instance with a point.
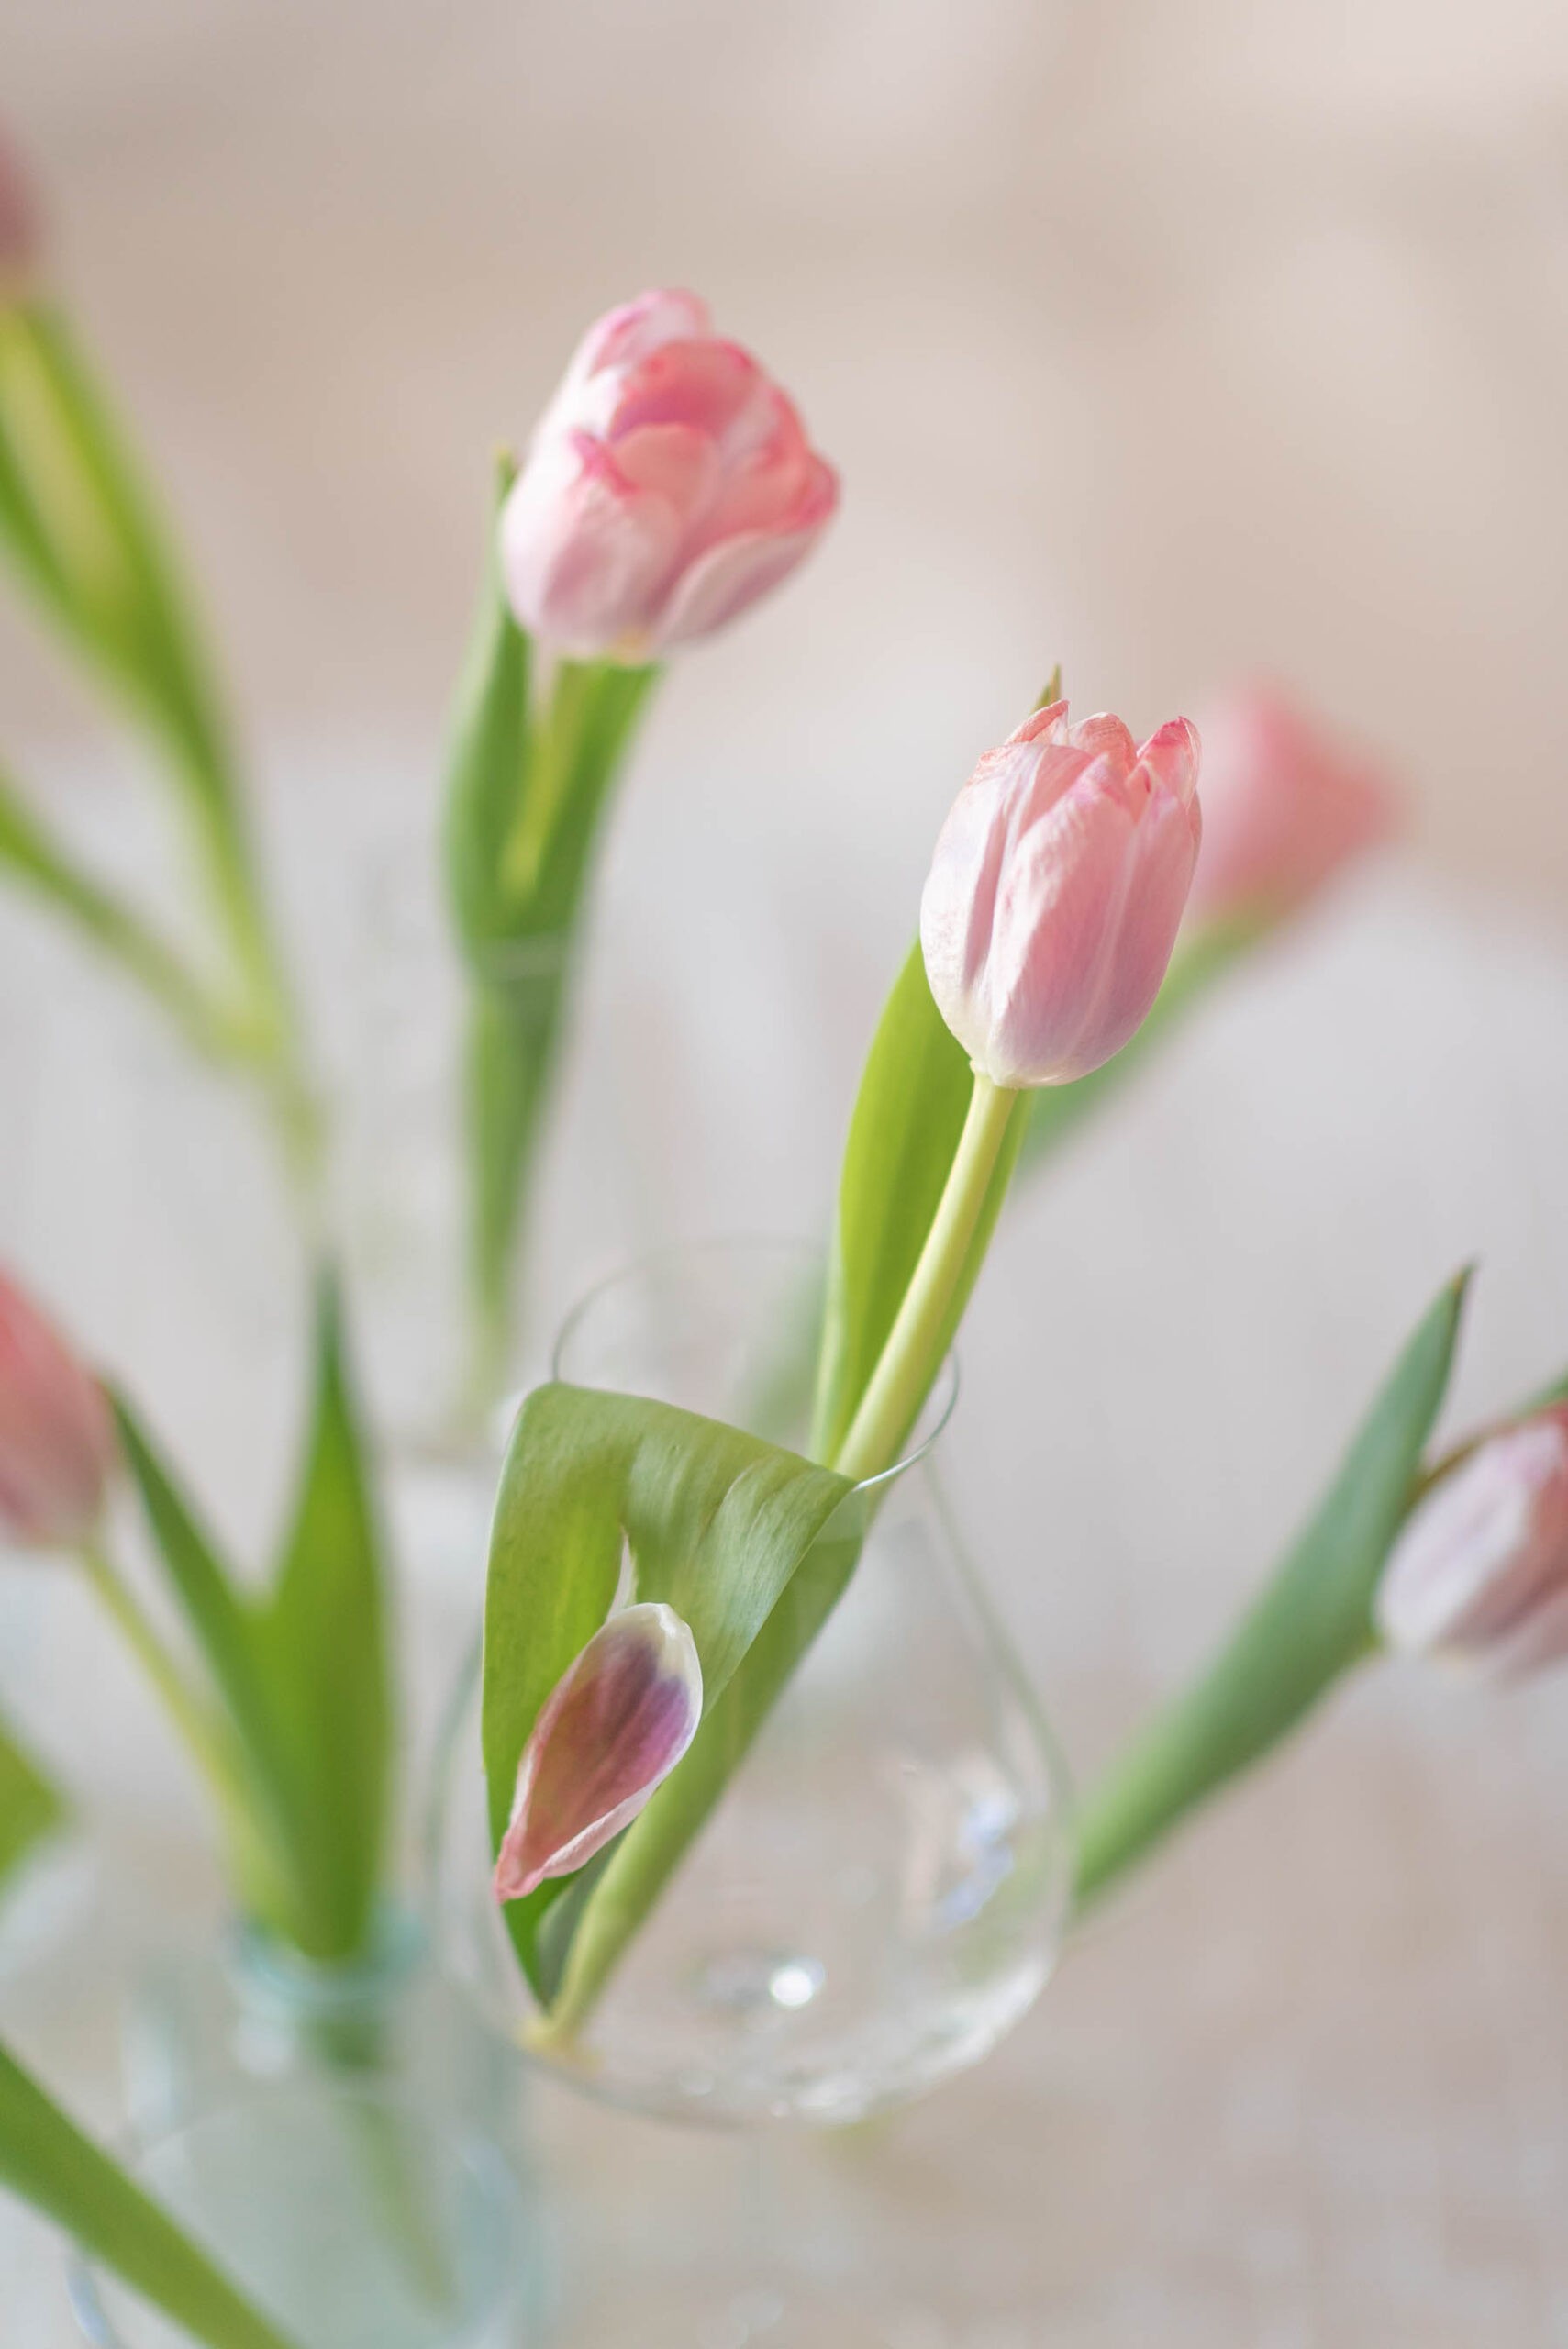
(1284, 807)
(1481, 1569)
(18, 221)
(613, 1729)
(1056, 892)
(57, 1444)
(668, 485)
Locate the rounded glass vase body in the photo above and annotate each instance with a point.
(879, 1893)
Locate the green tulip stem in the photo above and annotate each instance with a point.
(908, 1361)
(197, 1727)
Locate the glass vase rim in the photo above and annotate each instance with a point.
(936, 1412)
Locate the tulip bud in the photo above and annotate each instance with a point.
(19, 224)
(56, 1445)
(669, 484)
(1481, 1569)
(614, 1727)
(1056, 892)
(1284, 807)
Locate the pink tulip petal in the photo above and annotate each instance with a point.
(622, 337)
(708, 385)
(1050, 720)
(725, 581)
(669, 486)
(1485, 1553)
(1170, 759)
(57, 1440)
(677, 463)
(1056, 908)
(612, 1730)
(19, 237)
(1055, 893)
(1106, 737)
(584, 553)
(1287, 810)
(1140, 933)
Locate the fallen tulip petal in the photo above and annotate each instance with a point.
(613, 1727)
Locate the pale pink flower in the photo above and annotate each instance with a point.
(611, 1730)
(669, 484)
(1481, 1567)
(1284, 805)
(1056, 891)
(57, 1444)
(18, 222)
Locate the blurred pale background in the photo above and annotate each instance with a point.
(1170, 343)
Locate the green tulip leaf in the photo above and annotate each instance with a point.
(43, 867)
(717, 1522)
(302, 1673)
(32, 1810)
(46, 2160)
(84, 535)
(324, 1642)
(1309, 1625)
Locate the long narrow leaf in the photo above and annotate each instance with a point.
(46, 2160)
(105, 569)
(39, 861)
(324, 1642)
(214, 1608)
(32, 1810)
(1310, 1624)
(223, 1628)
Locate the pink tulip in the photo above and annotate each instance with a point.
(668, 485)
(18, 222)
(1284, 807)
(1481, 1569)
(612, 1730)
(1056, 892)
(57, 1444)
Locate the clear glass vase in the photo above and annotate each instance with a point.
(357, 2218)
(880, 1894)
(211, 2023)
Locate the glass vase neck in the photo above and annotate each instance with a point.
(728, 1328)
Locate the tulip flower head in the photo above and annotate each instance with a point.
(19, 224)
(612, 1730)
(1286, 808)
(57, 1444)
(1056, 891)
(669, 484)
(1481, 1569)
